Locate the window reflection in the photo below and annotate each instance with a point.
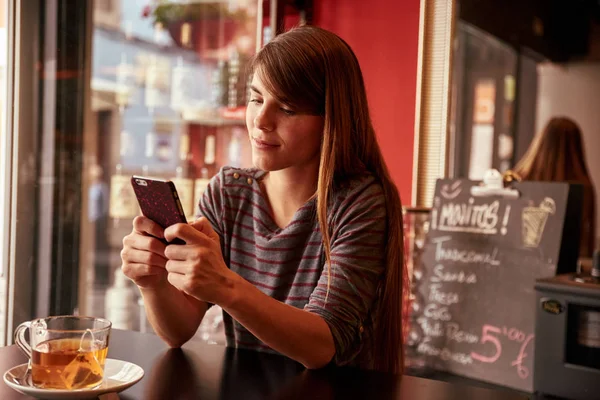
(484, 93)
(168, 94)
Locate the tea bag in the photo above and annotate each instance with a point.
(81, 371)
(85, 368)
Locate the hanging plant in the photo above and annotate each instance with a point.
(167, 12)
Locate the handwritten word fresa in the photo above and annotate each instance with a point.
(465, 256)
(445, 298)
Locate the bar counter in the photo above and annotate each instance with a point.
(203, 371)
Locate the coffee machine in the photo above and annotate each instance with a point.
(567, 335)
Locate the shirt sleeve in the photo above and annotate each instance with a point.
(344, 297)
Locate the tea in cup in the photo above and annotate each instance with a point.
(65, 352)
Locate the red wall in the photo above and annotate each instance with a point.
(384, 35)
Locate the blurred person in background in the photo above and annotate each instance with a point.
(557, 154)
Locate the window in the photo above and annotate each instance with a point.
(105, 90)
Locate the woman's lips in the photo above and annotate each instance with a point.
(262, 145)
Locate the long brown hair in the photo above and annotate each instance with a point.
(557, 153)
(315, 71)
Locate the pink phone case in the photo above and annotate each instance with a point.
(158, 200)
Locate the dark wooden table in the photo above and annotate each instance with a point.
(202, 371)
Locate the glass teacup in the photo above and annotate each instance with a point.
(65, 352)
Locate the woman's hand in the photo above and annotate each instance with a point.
(143, 255)
(197, 268)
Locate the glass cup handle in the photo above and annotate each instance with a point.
(20, 338)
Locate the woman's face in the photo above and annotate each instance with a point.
(281, 137)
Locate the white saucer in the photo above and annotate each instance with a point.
(118, 376)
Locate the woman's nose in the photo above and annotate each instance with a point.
(264, 119)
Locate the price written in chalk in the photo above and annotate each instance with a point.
(493, 337)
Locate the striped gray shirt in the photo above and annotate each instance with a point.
(289, 264)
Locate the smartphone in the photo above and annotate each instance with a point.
(159, 201)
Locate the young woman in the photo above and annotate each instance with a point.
(557, 154)
(304, 252)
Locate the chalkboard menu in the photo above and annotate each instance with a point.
(475, 299)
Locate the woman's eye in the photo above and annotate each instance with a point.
(287, 111)
(257, 101)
